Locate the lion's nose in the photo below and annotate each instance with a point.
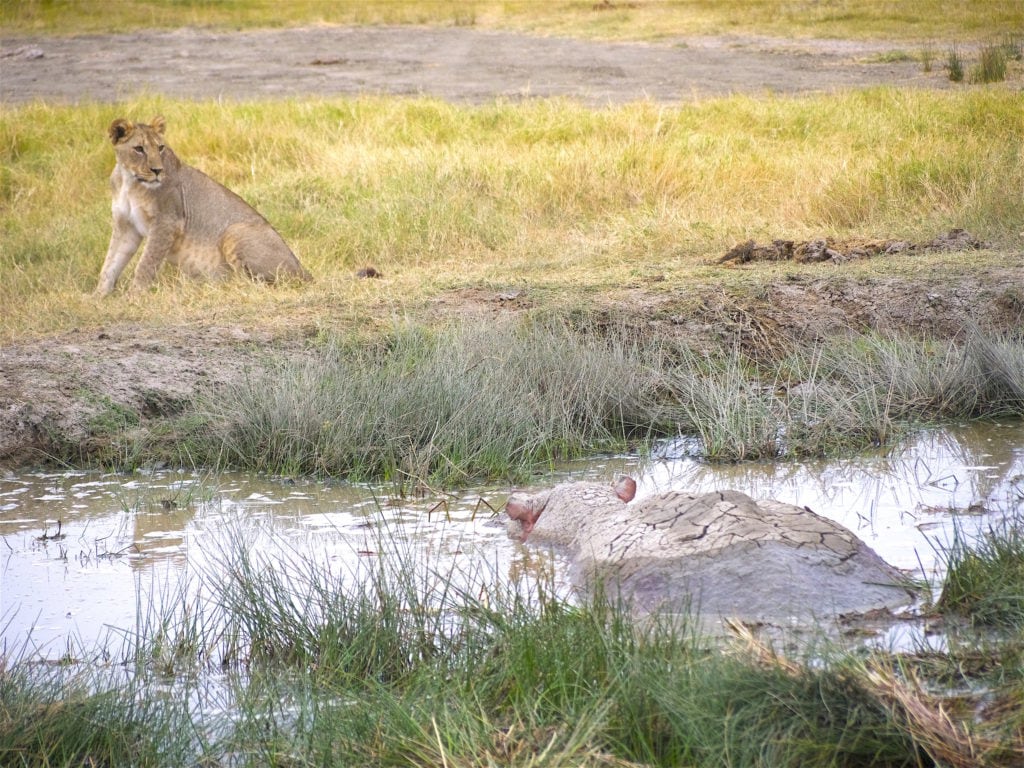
(156, 171)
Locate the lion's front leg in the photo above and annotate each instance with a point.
(159, 245)
(124, 242)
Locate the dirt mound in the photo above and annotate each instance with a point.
(840, 251)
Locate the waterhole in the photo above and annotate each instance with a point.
(86, 555)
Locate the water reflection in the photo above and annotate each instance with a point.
(84, 553)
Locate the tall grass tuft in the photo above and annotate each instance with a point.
(985, 578)
(991, 67)
(735, 416)
(927, 57)
(379, 623)
(1013, 47)
(1000, 365)
(955, 65)
(500, 399)
(465, 401)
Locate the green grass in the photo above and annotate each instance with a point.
(503, 399)
(422, 664)
(985, 581)
(483, 399)
(638, 19)
(75, 716)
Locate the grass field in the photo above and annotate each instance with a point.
(924, 21)
(570, 200)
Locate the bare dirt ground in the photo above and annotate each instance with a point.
(58, 395)
(459, 64)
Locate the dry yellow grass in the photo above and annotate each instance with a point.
(911, 20)
(567, 200)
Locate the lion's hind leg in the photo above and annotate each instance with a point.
(258, 250)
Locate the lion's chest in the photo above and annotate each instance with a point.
(132, 204)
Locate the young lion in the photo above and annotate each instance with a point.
(187, 218)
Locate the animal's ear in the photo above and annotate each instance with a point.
(158, 124)
(118, 130)
(625, 488)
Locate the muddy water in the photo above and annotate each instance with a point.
(85, 555)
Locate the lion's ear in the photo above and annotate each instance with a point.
(158, 124)
(118, 130)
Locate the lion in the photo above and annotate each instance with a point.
(186, 218)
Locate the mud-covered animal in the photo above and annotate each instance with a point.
(718, 554)
(186, 218)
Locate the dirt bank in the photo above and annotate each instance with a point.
(67, 394)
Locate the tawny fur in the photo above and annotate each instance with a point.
(185, 217)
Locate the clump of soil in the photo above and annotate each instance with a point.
(839, 251)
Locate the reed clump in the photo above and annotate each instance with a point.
(500, 399)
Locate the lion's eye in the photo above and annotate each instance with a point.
(140, 149)
(160, 148)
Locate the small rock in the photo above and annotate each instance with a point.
(29, 52)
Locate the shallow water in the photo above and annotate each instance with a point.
(85, 554)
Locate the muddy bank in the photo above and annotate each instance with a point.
(73, 395)
(68, 397)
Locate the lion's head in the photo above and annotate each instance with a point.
(140, 149)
